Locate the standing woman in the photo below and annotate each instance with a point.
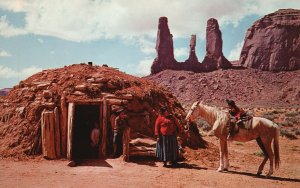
(166, 129)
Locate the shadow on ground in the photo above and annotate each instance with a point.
(264, 177)
(152, 161)
(93, 162)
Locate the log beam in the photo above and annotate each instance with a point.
(126, 140)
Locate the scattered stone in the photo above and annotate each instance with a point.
(78, 93)
(181, 78)
(81, 87)
(47, 94)
(72, 164)
(43, 86)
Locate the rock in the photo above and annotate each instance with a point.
(97, 85)
(164, 48)
(48, 104)
(78, 93)
(297, 96)
(181, 78)
(20, 110)
(272, 43)
(192, 63)
(100, 80)
(42, 86)
(214, 58)
(81, 87)
(47, 94)
(111, 85)
(90, 80)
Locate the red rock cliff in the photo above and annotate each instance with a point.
(272, 43)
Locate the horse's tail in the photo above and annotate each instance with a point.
(276, 149)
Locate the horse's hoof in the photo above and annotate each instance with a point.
(225, 170)
(268, 175)
(220, 170)
(259, 173)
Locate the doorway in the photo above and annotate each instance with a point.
(86, 117)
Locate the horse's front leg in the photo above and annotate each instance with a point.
(222, 166)
(226, 160)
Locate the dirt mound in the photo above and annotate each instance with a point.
(249, 87)
(21, 109)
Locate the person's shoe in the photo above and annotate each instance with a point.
(174, 164)
(72, 164)
(165, 164)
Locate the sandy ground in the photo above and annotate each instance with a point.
(39, 172)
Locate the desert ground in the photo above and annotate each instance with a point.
(198, 170)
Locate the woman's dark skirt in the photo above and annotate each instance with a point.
(167, 148)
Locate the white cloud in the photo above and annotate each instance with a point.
(7, 73)
(147, 46)
(180, 52)
(4, 53)
(85, 20)
(40, 40)
(144, 66)
(235, 53)
(29, 71)
(8, 30)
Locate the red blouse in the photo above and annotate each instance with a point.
(166, 126)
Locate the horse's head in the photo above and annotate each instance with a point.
(192, 114)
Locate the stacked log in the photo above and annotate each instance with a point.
(64, 125)
(49, 141)
(142, 147)
(126, 140)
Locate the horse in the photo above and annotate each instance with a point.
(263, 130)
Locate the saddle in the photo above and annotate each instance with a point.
(245, 122)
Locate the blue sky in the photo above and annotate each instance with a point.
(43, 34)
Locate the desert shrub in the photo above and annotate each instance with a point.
(292, 120)
(270, 116)
(296, 131)
(285, 124)
(288, 134)
(292, 114)
(239, 143)
(259, 154)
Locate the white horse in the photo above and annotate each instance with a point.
(263, 130)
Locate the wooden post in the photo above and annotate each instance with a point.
(100, 127)
(71, 111)
(48, 136)
(57, 133)
(64, 125)
(126, 140)
(104, 128)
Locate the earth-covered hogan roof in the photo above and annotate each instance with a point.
(21, 109)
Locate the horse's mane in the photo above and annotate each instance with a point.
(213, 112)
